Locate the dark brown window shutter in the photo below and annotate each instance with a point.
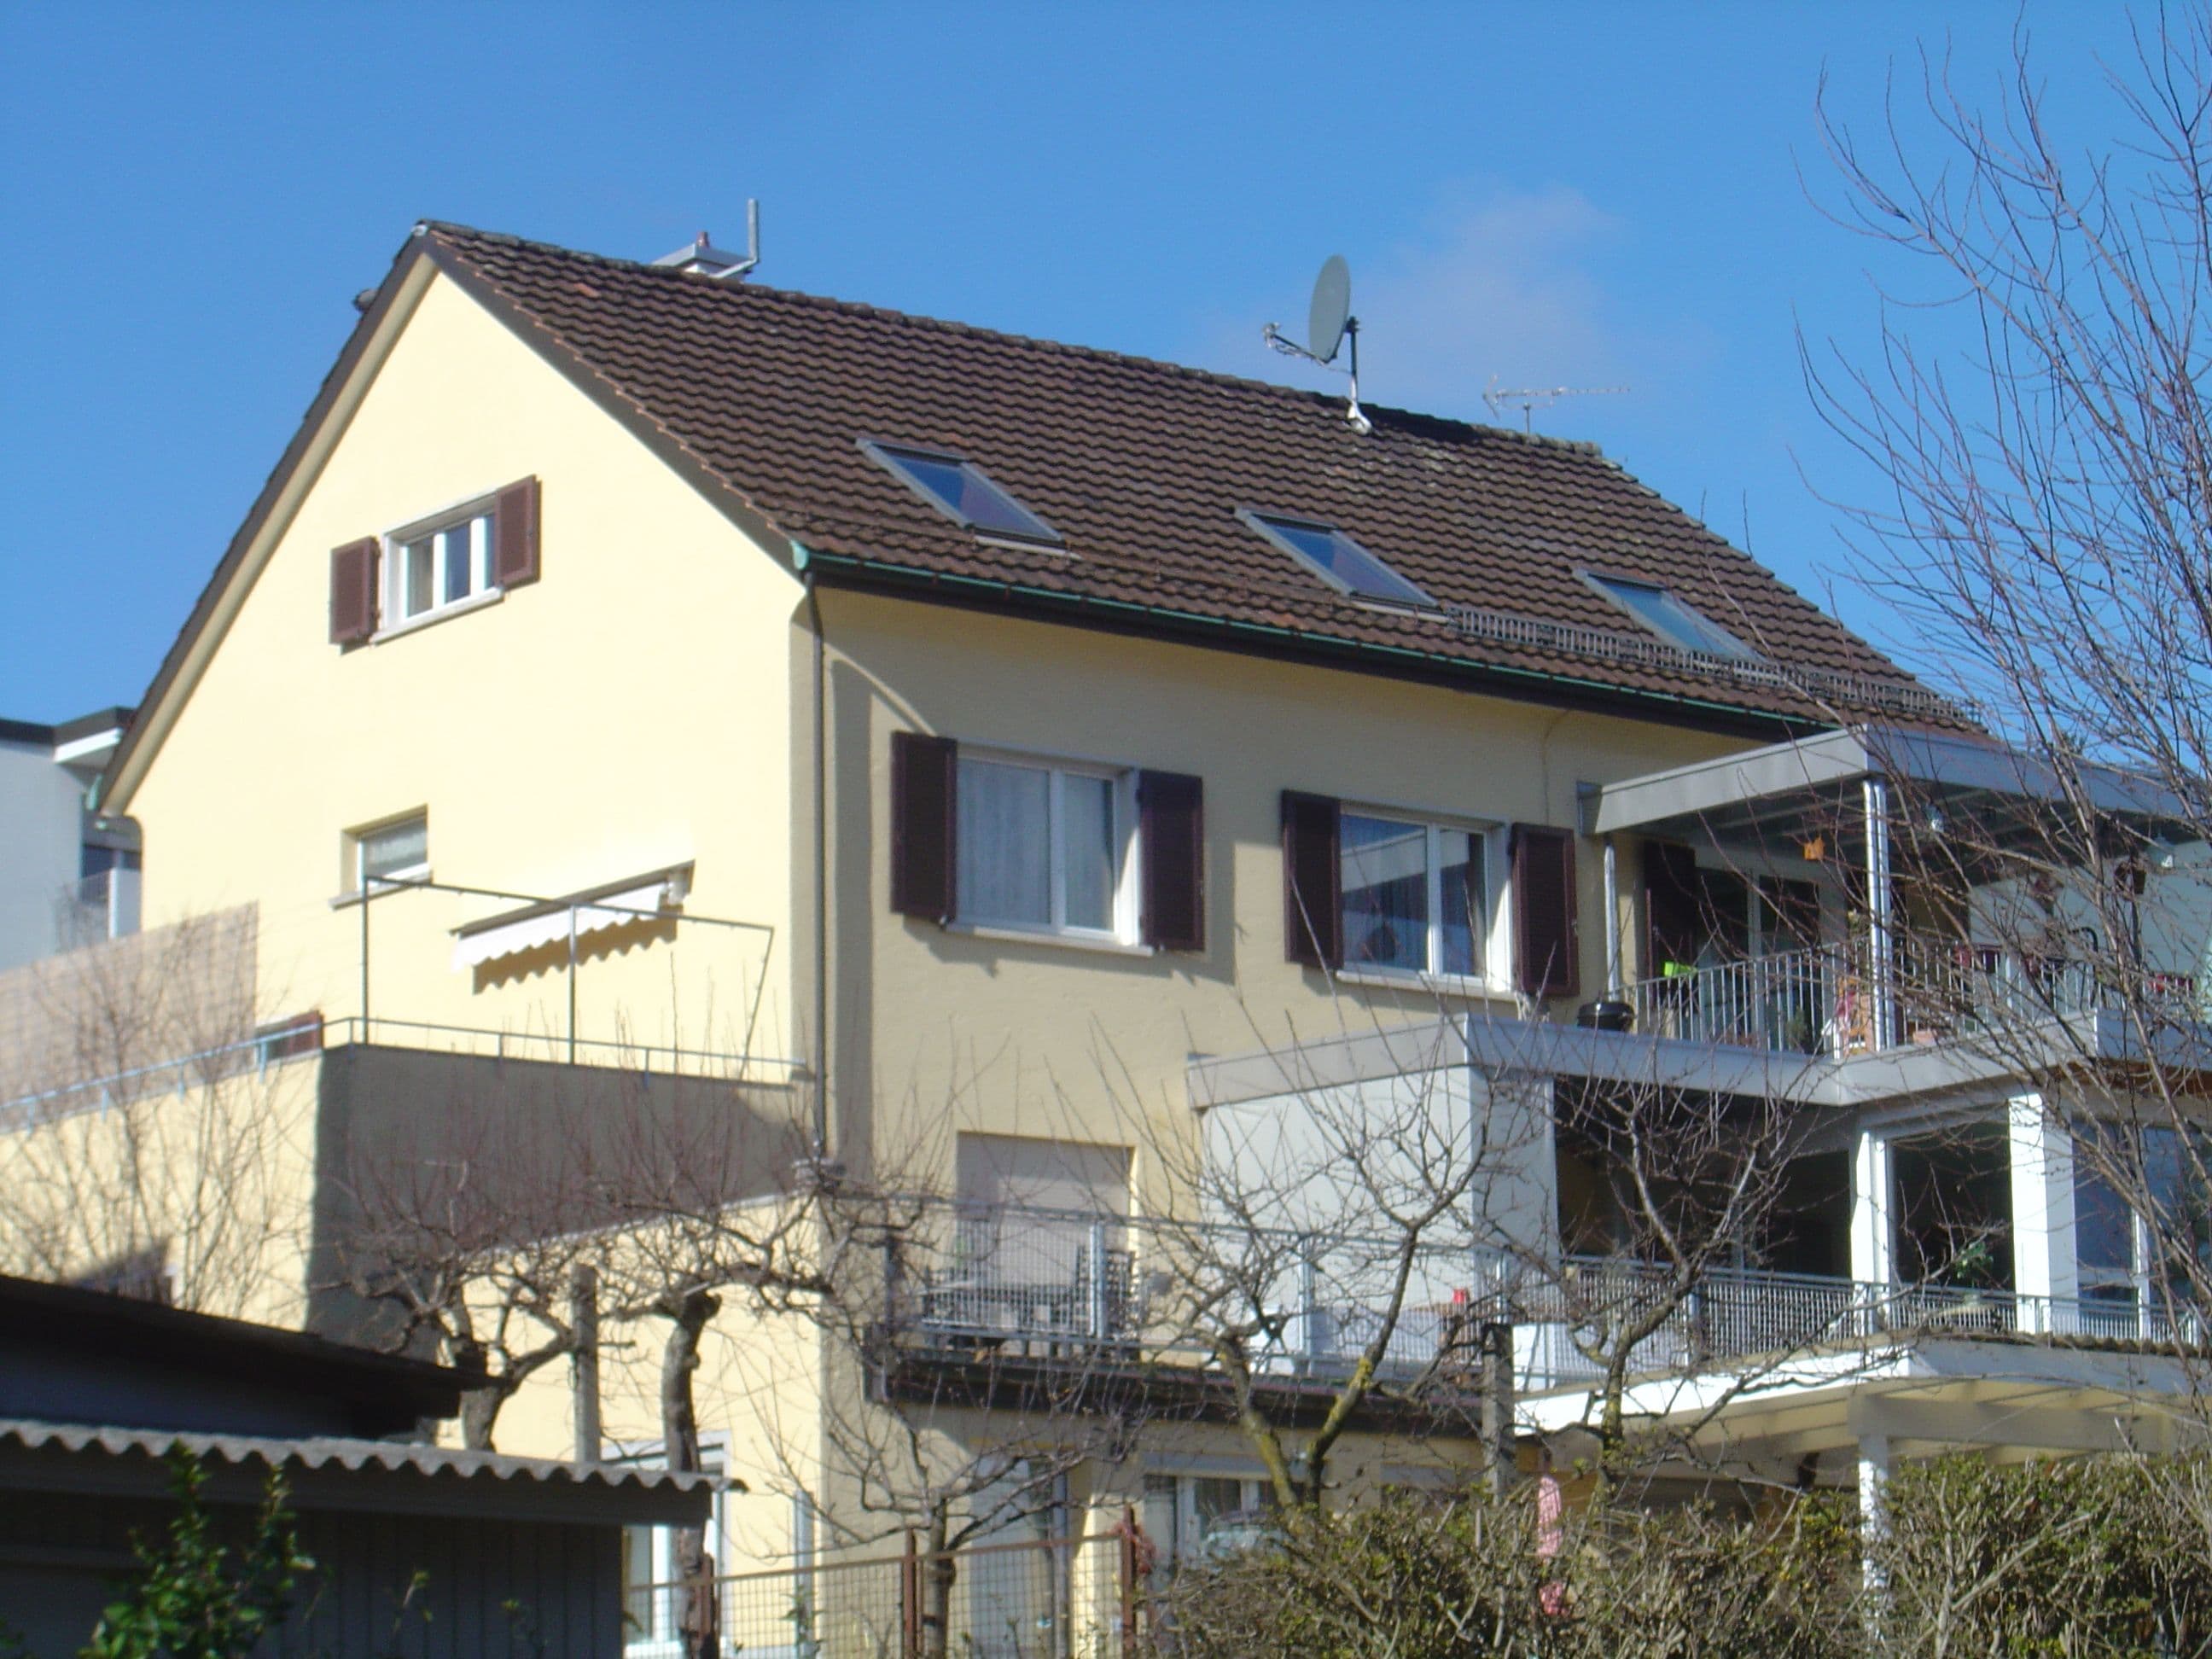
(1545, 959)
(1673, 906)
(924, 819)
(515, 535)
(1313, 896)
(1171, 824)
(353, 592)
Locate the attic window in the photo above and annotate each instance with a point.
(959, 489)
(1337, 559)
(1658, 609)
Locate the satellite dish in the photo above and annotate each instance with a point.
(1331, 310)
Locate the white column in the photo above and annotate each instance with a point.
(1873, 1490)
(2043, 1259)
(1873, 1235)
(1613, 964)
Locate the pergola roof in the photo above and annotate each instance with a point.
(1800, 786)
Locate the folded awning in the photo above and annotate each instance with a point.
(636, 898)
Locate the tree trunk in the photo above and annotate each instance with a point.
(479, 1407)
(689, 1314)
(938, 1572)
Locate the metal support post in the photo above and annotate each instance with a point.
(1881, 966)
(1100, 1308)
(1309, 1348)
(1497, 1443)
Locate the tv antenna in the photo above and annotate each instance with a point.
(1527, 398)
(1330, 327)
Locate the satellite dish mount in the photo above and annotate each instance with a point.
(1330, 328)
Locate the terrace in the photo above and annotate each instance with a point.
(1082, 1288)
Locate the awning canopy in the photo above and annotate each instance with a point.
(511, 933)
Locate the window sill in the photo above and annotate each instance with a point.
(1112, 947)
(431, 619)
(1456, 986)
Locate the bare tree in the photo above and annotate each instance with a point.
(1683, 1188)
(153, 1139)
(2047, 534)
(463, 1217)
(1335, 1251)
(957, 1401)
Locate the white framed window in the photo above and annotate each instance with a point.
(1046, 847)
(1189, 1518)
(1420, 896)
(396, 850)
(438, 563)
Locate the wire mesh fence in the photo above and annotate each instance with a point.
(1054, 1598)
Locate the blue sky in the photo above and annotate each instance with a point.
(1589, 195)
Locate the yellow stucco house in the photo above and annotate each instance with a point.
(972, 764)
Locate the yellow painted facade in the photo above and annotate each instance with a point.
(626, 712)
(947, 1031)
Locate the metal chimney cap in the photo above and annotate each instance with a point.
(700, 254)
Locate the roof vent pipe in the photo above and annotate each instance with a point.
(701, 257)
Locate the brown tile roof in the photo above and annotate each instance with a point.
(1141, 466)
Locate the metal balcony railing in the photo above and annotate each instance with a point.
(1791, 1001)
(969, 1276)
(307, 1034)
(1576, 1319)
(1070, 1283)
(1820, 1000)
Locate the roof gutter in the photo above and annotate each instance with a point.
(813, 560)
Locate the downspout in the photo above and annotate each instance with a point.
(803, 558)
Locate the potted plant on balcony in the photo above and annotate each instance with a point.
(1973, 1269)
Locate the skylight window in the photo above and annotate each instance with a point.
(1658, 609)
(959, 490)
(1337, 559)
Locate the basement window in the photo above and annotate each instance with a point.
(960, 489)
(1658, 609)
(1337, 559)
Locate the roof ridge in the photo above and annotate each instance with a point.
(982, 331)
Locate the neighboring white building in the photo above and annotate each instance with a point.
(67, 876)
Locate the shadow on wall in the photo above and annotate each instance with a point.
(462, 1154)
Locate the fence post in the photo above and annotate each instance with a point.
(910, 1599)
(1128, 1554)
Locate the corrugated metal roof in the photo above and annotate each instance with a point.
(394, 1456)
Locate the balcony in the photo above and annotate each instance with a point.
(1072, 1286)
(1736, 1316)
(1882, 861)
(1822, 1000)
(1047, 1284)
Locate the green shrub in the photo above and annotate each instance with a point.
(196, 1598)
(2102, 1559)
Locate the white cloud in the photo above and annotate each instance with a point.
(1499, 284)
